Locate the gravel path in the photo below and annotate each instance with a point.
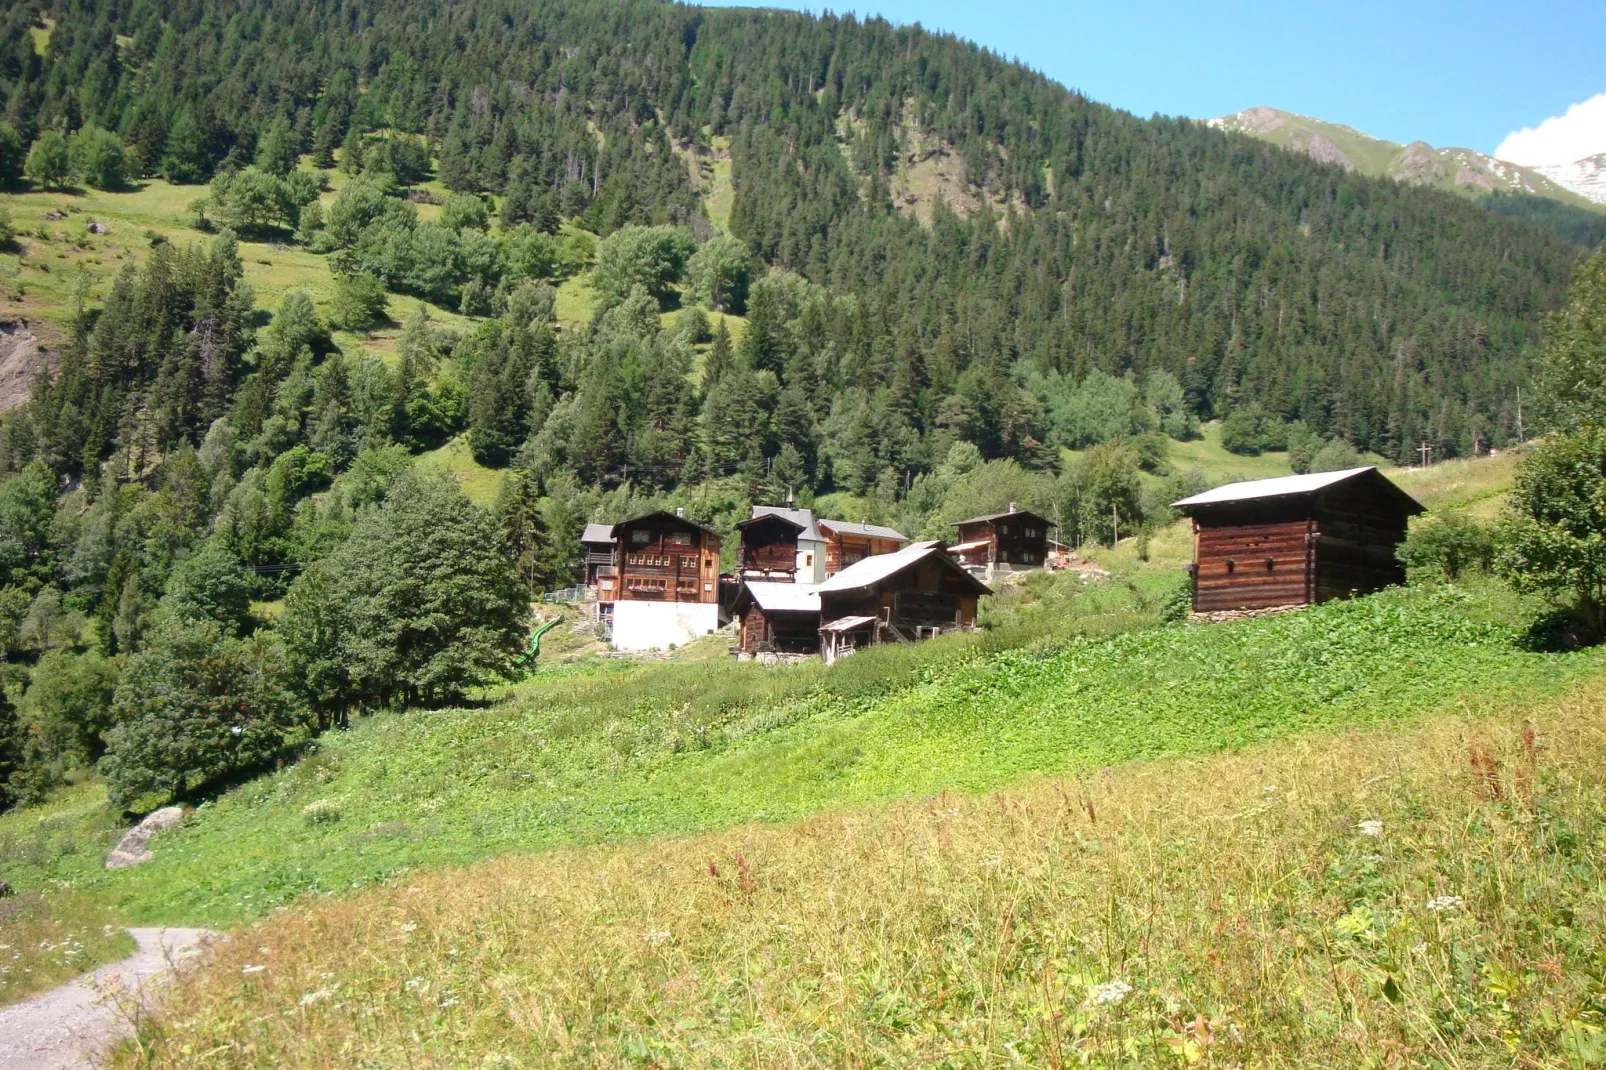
(71, 1026)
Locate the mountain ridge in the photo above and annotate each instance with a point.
(1468, 172)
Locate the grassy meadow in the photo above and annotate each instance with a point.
(1417, 895)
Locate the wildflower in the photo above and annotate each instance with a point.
(1371, 827)
(1441, 904)
(315, 997)
(989, 862)
(658, 936)
(252, 971)
(408, 927)
(415, 982)
(1110, 992)
(449, 1001)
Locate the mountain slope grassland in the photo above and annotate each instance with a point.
(1422, 894)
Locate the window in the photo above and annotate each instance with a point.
(808, 560)
(680, 538)
(640, 537)
(1004, 528)
(1031, 533)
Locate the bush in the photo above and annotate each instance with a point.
(8, 233)
(1445, 546)
(67, 711)
(320, 812)
(359, 303)
(718, 275)
(97, 158)
(651, 257)
(1336, 456)
(195, 708)
(1248, 431)
(11, 154)
(464, 210)
(49, 165)
(1556, 542)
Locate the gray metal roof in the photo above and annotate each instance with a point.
(803, 519)
(785, 597)
(597, 533)
(1276, 487)
(871, 531)
(872, 570)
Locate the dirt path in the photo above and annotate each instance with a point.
(71, 1026)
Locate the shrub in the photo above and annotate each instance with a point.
(1444, 546)
(1337, 456)
(98, 158)
(651, 257)
(49, 164)
(464, 210)
(718, 274)
(320, 812)
(11, 154)
(359, 303)
(196, 707)
(1556, 542)
(1248, 431)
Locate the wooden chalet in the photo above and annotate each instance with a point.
(778, 618)
(1296, 540)
(781, 544)
(1002, 542)
(663, 586)
(915, 593)
(847, 543)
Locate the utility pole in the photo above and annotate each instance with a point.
(1427, 453)
(1115, 527)
(1519, 415)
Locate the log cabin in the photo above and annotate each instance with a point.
(1002, 542)
(663, 589)
(782, 544)
(1296, 540)
(916, 593)
(848, 543)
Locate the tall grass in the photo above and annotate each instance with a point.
(1425, 897)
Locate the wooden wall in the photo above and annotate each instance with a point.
(671, 561)
(769, 546)
(1252, 566)
(787, 632)
(842, 550)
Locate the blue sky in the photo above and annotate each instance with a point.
(1465, 74)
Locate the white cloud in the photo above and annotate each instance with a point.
(1560, 138)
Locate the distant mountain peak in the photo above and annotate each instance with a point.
(1458, 170)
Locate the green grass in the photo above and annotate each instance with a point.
(479, 483)
(597, 752)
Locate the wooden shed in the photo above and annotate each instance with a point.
(781, 543)
(916, 593)
(848, 543)
(1296, 540)
(778, 617)
(597, 551)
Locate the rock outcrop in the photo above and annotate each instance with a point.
(131, 849)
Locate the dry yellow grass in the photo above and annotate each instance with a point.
(1230, 911)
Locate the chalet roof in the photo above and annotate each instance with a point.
(784, 597)
(597, 533)
(990, 517)
(667, 515)
(802, 519)
(847, 624)
(871, 531)
(872, 570)
(1254, 490)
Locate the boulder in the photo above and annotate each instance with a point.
(131, 850)
(98, 228)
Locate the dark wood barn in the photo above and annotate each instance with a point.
(916, 593)
(1005, 542)
(778, 617)
(1296, 540)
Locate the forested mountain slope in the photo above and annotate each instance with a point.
(1381, 313)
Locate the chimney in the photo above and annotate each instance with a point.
(791, 499)
(1012, 507)
(680, 511)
